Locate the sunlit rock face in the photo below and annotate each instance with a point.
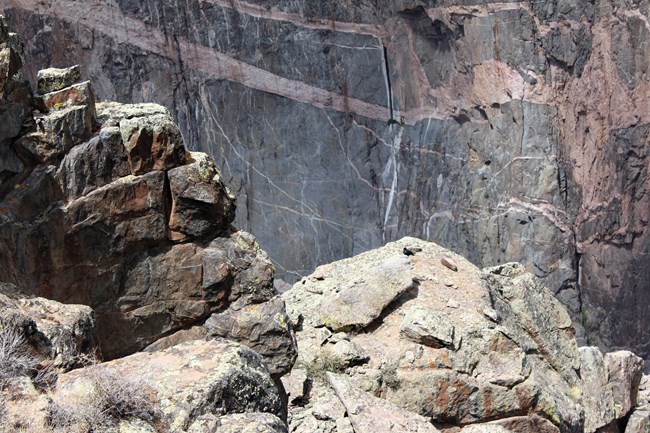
(503, 131)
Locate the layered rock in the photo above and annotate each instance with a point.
(107, 209)
(115, 239)
(485, 351)
(505, 131)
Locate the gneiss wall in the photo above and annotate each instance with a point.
(504, 131)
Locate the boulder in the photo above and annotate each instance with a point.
(55, 79)
(201, 204)
(188, 387)
(346, 295)
(639, 421)
(152, 142)
(625, 371)
(264, 327)
(56, 336)
(503, 359)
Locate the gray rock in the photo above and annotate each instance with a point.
(188, 381)
(597, 391)
(201, 204)
(428, 327)
(369, 414)
(62, 336)
(264, 327)
(338, 302)
(495, 158)
(625, 371)
(54, 79)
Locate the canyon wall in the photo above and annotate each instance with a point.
(501, 130)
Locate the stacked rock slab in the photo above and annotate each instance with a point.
(469, 350)
(113, 239)
(103, 206)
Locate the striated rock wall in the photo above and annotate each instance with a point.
(101, 205)
(504, 131)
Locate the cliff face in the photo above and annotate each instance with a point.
(504, 131)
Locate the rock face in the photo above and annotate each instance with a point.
(485, 351)
(106, 208)
(115, 239)
(505, 131)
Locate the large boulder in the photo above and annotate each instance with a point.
(186, 388)
(57, 337)
(485, 351)
(104, 207)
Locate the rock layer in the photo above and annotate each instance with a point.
(106, 208)
(505, 131)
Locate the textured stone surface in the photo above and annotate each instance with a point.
(505, 131)
(189, 383)
(54, 79)
(369, 414)
(62, 336)
(201, 204)
(503, 358)
(264, 327)
(98, 207)
(343, 295)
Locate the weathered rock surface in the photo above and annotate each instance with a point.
(501, 358)
(59, 336)
(264, 327)
(108, 210)
(639, 421)
(369, 414)
(510, 131)
(195, 387)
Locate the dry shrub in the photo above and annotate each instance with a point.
(16, 358)
(108, 397)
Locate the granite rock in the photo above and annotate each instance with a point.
(505, 132)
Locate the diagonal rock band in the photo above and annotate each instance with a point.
(129, 302)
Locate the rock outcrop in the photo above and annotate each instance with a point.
(115, 241)
(510, 131)
(106, 208)
(468, 350)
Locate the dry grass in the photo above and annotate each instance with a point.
(108, 397)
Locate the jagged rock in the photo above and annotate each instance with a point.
(625, 371)
(597, 392)
(75, 94)
(188, 382)
(55, 79)
(494, 130)
(369, 414)
(201, 204)
(264, 327)
(99, 216)
(344, 296)
(519, 372)
(93, 164)
(152, 142)
(519, 424)
(639, 421)
(62, 336)
(427, 327)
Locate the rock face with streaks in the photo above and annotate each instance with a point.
(116, 244)
(505, 131)
(482, 351)
(106, 208)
